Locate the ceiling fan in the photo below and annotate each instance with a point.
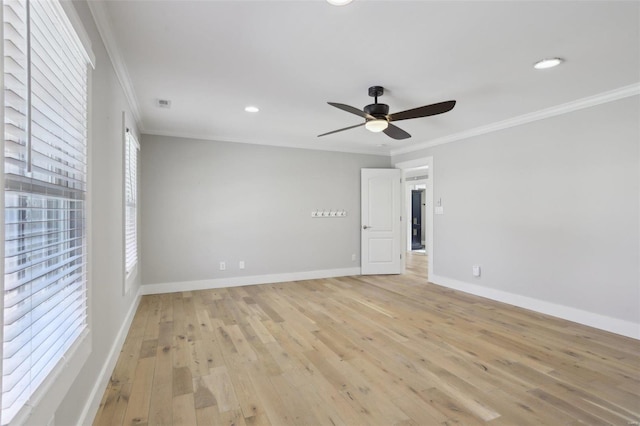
(378, 119)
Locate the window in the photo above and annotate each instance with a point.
(45, 72)
(131, 148)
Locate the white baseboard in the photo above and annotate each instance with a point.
(602, 322)
(93, 402)
(173, 287)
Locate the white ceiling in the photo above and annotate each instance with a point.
(213, 58)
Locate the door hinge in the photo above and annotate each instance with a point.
(400, 255)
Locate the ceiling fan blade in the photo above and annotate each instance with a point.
(396, 132)
(340, 130)
(424, 111)
(352, 110)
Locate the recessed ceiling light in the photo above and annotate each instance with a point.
(548, 63)
(339, 2)
(251, 109)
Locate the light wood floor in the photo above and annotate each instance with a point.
(376, 350)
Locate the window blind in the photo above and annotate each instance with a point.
(131, 202)
(45, 160)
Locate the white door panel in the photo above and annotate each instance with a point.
(380, 250)
(380, 196)
(381, 221)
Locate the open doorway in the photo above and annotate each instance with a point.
(418, 209)
(416, 183)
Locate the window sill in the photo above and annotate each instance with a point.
(130, 278)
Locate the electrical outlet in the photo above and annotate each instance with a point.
(223, 266)
(241, 264)
(353, 257)
(475, 270)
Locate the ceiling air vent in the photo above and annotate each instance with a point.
(163, 103)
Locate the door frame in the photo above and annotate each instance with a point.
(405, 166)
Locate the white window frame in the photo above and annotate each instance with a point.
(45, 400)
(130, 142)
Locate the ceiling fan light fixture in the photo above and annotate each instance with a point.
(339, 2)
(377, 125)
(548, 63)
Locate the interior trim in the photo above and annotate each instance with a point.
(590, 101)
(81, 33)
(591, 319)
(367, 150)
(214, 283)
(103, 23)
(92, 403)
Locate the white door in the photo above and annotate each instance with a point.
(381, 231)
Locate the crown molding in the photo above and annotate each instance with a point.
(590, 101)
(103, 23)
(211, 138)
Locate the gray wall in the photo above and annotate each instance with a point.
(204, 202)
(107, 305)
(549, 209)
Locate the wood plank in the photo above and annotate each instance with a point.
(153, 319)
(449, 407)
(246, 394)
(184, 413)
(220, 385)
(199, 361)
(165, 334)
(275, 409)
(182, 381)
(243, 348)
(149, 348)
(203, 397)
(570, 409)
(161, 404)
(113, 406)
(140, 398)
(160, 407)
(260, 330)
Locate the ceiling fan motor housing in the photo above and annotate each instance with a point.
(377, 110)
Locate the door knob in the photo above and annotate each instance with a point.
(366, 227)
